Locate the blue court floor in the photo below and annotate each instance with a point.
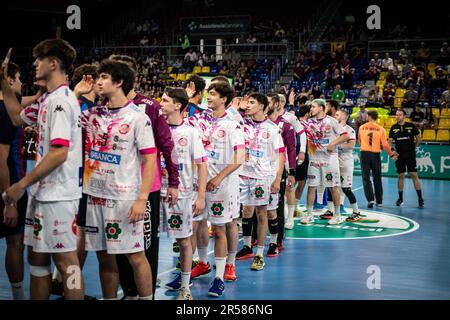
(412, 265)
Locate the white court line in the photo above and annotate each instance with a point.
(358, 188)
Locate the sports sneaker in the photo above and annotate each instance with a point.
(298, 212)
(245, 253)
(230, 272)
(342, 208)
(318, 206)
(217, 288)
(356, 216)
(336, 220)
(130, 297)
(289, 224)
(185, 294)
(379, 205)
(194, 263)
(258, 263)
(307, 219)
(280, 247)
(254, 243)
(200, 269)
(399, 203)
(175, 284)
(370, 204)
(421, 203)
(175, 247)
(273, 250)
(327, 215)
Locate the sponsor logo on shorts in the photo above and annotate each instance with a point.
(112, 231)
(137, 245)
(59, 245)
(311, 177)
(175, 222)
(259, 192)
(55, 232)
(59, 223)
(105, 157)
(329, 177)
(37, 226)
(147, 227)
(109, 203)
(91, 229)
(217, 209)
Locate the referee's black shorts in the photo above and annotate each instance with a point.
(406, 162)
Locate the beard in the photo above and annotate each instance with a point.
(270, 112)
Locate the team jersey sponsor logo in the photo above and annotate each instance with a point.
(104, 157)
(182, 142)
(266, 135)
(212, 154)
(321, 141)
(256, 153)
(221, 133)
(124, 128)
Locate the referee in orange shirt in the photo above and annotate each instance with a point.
(371, 138)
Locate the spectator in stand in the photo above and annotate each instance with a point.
(429, 121)
(374, 100)
(362, 116)
(337, 77)
(348, 77)
(314, 66)
(443, 59)
(445, 99)
(418, 117)
(251, 39)
(338, 95)
(190, 59)
(388, 96)
(315, 91)
(378, 61)
(144, 41)
(345, 62)
(248, 87)
(390, 77)
(387, 63)
(410, 97)
(404, 54)
(372, 73)
(299, 72)
(302, 96)
(422, 54)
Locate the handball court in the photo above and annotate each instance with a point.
(412, 265)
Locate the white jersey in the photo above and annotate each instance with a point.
(346, 155)
(293, 121)
(320, 133)
(115, 138)
(263, 143)
(57, 116)
(188, 151)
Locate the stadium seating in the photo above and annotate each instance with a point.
(444, 123)
(429, 135)
(443, 135)
(445, 113)
(197, 69)
(390, 121)
(436, 113)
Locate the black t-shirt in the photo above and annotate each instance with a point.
(404, 136)
(14, 137)
(417, 116)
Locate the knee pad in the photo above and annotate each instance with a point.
(273, 226)
(40, 271)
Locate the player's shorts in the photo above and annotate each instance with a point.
(201, 216)
(6, 231)
(406, 162)
(273, 201)
(179, 218)
(50, 227)
(81, 216)
(221, 203)
(301, 173)
(108, 227)
(254, 192)
(346, 171)
(324, 173)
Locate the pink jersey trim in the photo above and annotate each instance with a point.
(148, 151)
(60, 142)
(240, 146)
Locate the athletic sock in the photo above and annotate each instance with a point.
(355, 207)
(203, 254)
(331, 206)
(419, 194)
(248, 241)
(400, 195)
(185, 278)
(150, 297)
(220, 267)
(309, 209)
(342, 196)
(231, 258)
(291, 209)
(260, 251)
(17, 291)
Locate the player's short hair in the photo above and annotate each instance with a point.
(261, 98)
(333, 103)
(59, 49)
(84, 70)
(13, 69)
(130, 61)
(402, 111)
(178, 95)
(282, 98)
(224, 90)
(118, 71)
(344, 111)
(303, 110)
(220, 79)
(373, 114)
(199, 82)
(274, 96)
(320, 102)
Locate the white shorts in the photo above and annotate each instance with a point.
(273, 201)
(325, 173)
(50, 227)
(108, 227)
(346, 171)
(254, 192)
(179, 218)
(221, 203)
